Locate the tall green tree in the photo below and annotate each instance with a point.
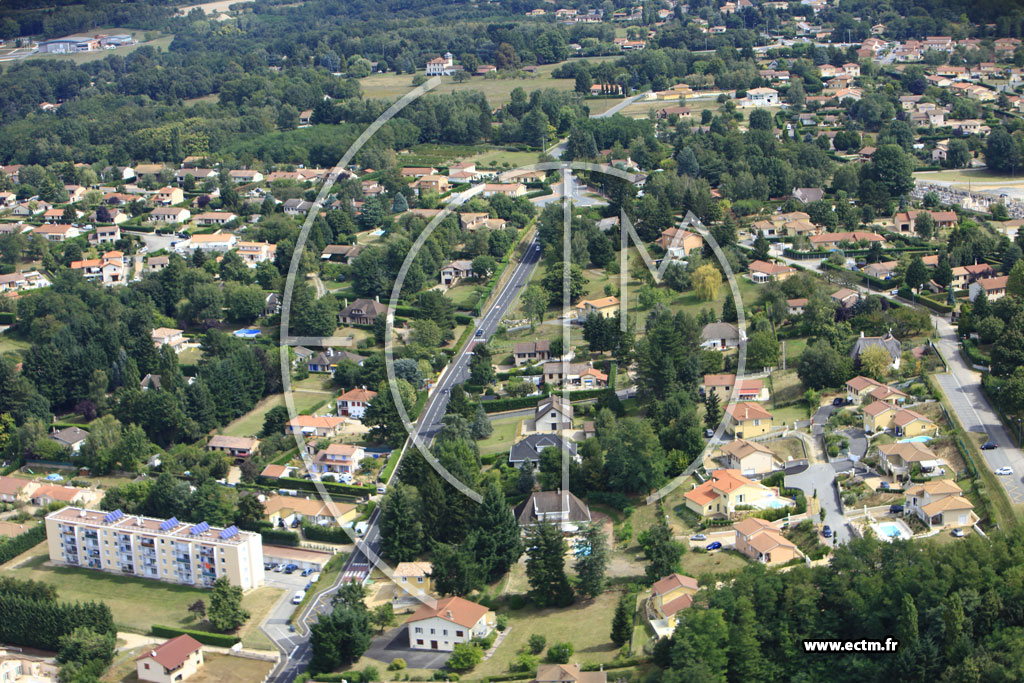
(663, 552)
(225, 612)
(622, 621)
(498, 538)
(545, 566)
(592, 563)
(401, 531)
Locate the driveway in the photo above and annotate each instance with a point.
(858, 441)
(395, 644)
(818, 477)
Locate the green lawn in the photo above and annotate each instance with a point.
(785, 416)
(787, 449)
(216, 668)
(9, 344)
(786, 386)
(251, 423)
(464, 295)
(586, 625)
(502, 438)
(494, 158)
(718, 562)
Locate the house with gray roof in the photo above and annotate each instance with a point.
(888, 342)
(558, 507)
(530, 447)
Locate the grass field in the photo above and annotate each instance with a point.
(216, 669)
(251, 423)
(719, 562)
(9, 344)
(258, 603)
(497, 157)
(585, 625)
(787, 449)
(498, 91)
(161, 43)
(502, 438)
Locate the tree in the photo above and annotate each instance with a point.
(545, 566)
(274, 421)
(400, 528)
(821, 366)
(481, 369)
(622, 622)
(1015, 282)
(763, 349)
(498, 538)
(535, 302)
(198, 608)
(591, 564)
(382, 415)
(712, 409)
(875, 362)
(527, 479)
(536, 643)
(729, 313)
(554, 279)
(917, 274)
(761, 246)
(383, 615)
(481, 427)
(454, 569)
(400, 203)
(583, 81)
(924, 225)
(340, 637)
(249, 511)
(707, 280)
(662, 551)
(483, 266)
(225, 611)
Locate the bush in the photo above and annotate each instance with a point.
(22, 542)
(536, 643)
(204, 637)
(516, 601)
(396, 664)
(336, 534)
(502, 622)
(465, 656)
(559, 653)
(523, 663)
(280, 537)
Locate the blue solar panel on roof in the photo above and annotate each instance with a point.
(200, 528)
(113, 516)
(169, 524)
(229, 532)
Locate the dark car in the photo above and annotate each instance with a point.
(841, 401)
(827, 531)
(896, 509)
(289, 570)
(988, 445)
(715, 545)
(307, 571)
(884, 486)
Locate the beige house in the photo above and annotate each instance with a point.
(552, 415)
(898, 458)
(568, 673)
(237, 447)
(525, 353)
(214, 218)
(761, 541)
(678, 242)
(574, 375)
(722, 384)
(176, 660)
(941, 504)
(319, 426)
(763, 271)
(606, 307)
(167, 336)
(448, 622)
(455, 271)
(747, 419)
(166, 196)
(287, 510)
(862, 389)
(748, 457)
(15, 489)
(254, 253)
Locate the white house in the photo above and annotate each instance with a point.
(449, 622)
(762, 97)
(441, 66)
(353, 403)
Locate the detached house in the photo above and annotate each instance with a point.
(166, 336)
(678, 242)
(574, 375)
(314, 426)
(606, 307)
(175, 660)
(670, 595)
(553, 414)
(530, 447)
(414, 577)
(168, 214)
(237, 447)
(724, 491)
(291, 510)
(361, 312)
(56, 232)
(455, 271)
(940, 504)
(448, 622)
(167, 195)
(354, 402)
(762, 542)
(553, 507)
(994, 288)
(254, 253)
(747, 419)
(762, 271)
(899, 458)
(338, 458)
(749, 389)
(525, 353)
(721, 336)
(748, 458)
(888, 342)
(862, 389)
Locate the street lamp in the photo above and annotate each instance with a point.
(1020, 434)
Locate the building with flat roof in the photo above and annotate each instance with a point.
(164, 550)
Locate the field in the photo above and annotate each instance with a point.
(306, 394)
(719, 562)
(216, 669)
(586, 625)
(161, 43)
(787, 449)
(136, 603)
(497, 90)
(9, 344)
(501, 440)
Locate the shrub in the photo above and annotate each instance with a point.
(396, 665)
(502, 622)
(536, 643)
(204, 637)
(559, 653)
(465, 656)
(523, 663)
(516, 601)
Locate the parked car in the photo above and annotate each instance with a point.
(841, 401)
(307, 571)
(896, 509)
(884, 486)
(309, 584)
(715, 545)
(479, 333)
(279, 568)
(1004, 471)
(827, 531)
(698, 537)
(988, 445)
(708, 433)
(958, 533)
(297, 598)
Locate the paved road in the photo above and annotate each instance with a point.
(153, 240)
(395, 643)
(295, 646)
(818, 477)
(962, 386)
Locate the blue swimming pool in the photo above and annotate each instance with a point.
(247, 333)
(775, 504)
(891, 530)
(920, 439)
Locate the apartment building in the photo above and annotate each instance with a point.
(165, 550)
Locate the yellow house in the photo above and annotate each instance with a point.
(719, 495)
(761, 541)
(864, 389)
(747, 420)
(748, 457)
(606, 307)
(910, 423)
(414, 578)
(878, 416)
(670, 595)
(286, 510)
(176, 660)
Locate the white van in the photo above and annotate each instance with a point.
(361, 528)
(298, 597)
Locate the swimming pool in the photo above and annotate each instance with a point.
(775, 504)
(891, 530)
(920, 439)
(247, 333)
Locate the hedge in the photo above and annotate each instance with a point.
(309, 485)
(503, 404)
(974, 354)
(934, 305)
(280, 537)
(41, 623)
(6, 318)
(22, 542)
(314, 532)
(204, 637)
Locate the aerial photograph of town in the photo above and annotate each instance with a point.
(529, 341)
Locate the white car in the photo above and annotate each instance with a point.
(297, 598)
(1004, 471)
